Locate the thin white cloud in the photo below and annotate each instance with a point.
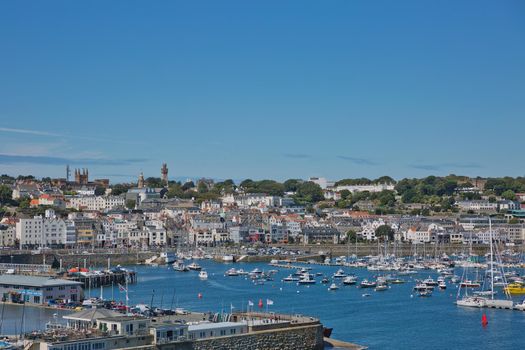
(49, 134)
(26, 131)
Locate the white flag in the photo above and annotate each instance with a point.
(250, 303)
(269, 302)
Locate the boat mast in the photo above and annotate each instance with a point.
(491, 261)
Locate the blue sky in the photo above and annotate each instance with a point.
(266, 89)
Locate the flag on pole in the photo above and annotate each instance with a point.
(250, 303)
(269, 302)
(121, 288)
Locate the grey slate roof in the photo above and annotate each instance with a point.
(35, 281)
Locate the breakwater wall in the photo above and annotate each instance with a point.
(305, 337)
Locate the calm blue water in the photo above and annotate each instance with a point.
(391, 319)
(385, 320)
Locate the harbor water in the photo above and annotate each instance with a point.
(396, 318)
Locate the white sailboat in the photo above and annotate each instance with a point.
(486, 298)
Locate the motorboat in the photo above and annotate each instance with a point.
(469, 284)
(256, 271)
(339, 274)
(367, 284)
(180, 267)
(203, 275)
(232, 273)
(194, 266)
(290, 278)
(422, 287)
(349, 280)
(306, 279)
(430, 282)
(325, 281)
(241, 272)
(333, 286)
(397, 281)
(442, 285)
(515, 288)
(381, 287)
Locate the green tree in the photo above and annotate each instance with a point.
(188, 185)
(6, 194)
(351, 236)
(118, 189)
(130, 203)
(24, 203)
(291, 185)
(100, 191)
(309, 192)
(385, 232)
(345, 194)
(202, 187)
(509, 194)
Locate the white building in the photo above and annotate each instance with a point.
(477, 206)
(322, 182)
(41, 232)
(96, 203)
(7, 235)
(369, 188)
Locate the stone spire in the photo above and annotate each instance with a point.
(141, 181)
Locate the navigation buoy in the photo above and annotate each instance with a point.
(484, 320)
(261, 304)
(199, 296)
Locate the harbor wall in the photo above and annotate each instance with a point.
(304, 337)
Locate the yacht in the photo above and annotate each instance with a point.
(339, 274)
(194, 266)
(430, 282)
(179, 266)
(397, 281)
(367, 284)
(333, 286)
(241, 272)
(232, 272)
(422, 287)
(469, 301)
(381, 287)
(515, 288)
(349, 280)
(290, 278)
(203, 275)
(469, 284)
(306, 279)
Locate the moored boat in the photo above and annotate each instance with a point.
(203, 275)
(333, 286)
(367, 284)
(194, 266)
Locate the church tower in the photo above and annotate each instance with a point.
(141, 181)
(164, 173)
